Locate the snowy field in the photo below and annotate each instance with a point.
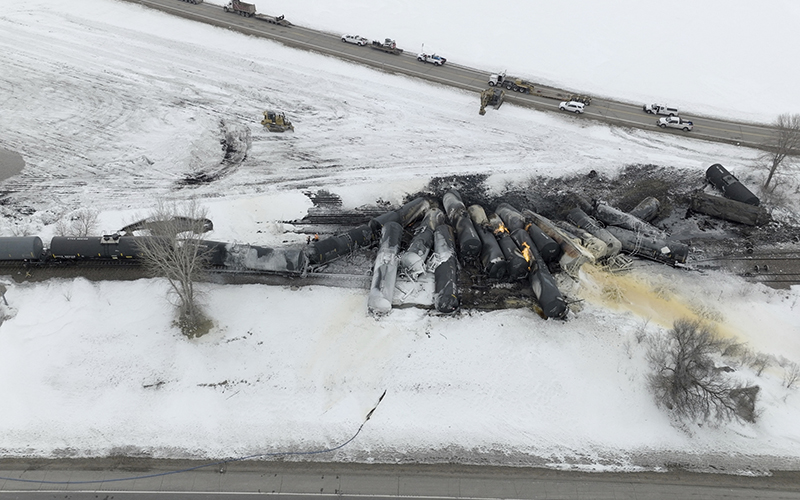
(113, 106)
(717, 57)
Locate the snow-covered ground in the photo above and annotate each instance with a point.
(113, 105)
(717, 57)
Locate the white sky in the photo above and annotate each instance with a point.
(112, 104)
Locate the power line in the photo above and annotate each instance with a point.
(212, 464)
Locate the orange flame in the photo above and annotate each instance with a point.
(526, 252)
(501, 229)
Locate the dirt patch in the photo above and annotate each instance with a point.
(235, 141)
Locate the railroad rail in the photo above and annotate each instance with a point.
(774, 268)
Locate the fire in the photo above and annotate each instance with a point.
(526, 251)
(501, 228)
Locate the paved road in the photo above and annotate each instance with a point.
(308, 480)
(452, 74)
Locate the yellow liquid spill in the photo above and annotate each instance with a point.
(652, 299)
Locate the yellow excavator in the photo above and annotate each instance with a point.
(491, 97)
(276, 122)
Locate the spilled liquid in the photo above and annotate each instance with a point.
(653, 299)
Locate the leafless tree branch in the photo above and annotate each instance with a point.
(791, 372)
(785, 143)
(175, 250)
(686, 381)
(81, 222)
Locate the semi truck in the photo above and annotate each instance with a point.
(249, 10)
(526, 87)
(241, 8)
(510, 83)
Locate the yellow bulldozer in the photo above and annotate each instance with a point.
(276, 122)
(491, 97)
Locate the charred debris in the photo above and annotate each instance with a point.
(510, 250)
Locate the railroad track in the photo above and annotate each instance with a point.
(120, 270)
(774, 268)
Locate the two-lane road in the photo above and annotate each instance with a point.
(454, 75)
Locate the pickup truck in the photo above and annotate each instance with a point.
(435, 59)
(660, 109)
(675, 122)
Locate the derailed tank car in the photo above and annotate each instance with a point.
(446, 297)
(279, 260)
(544, 287)
(214, 253)
(492, 258)
(469, 243)
(329, 249)
(413, 259)
(730, 186)
(384, 273)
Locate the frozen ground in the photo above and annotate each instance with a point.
(114, 106)
(718, 57)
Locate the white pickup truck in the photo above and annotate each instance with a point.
(660, 109)
(435, 59)
(675, 122)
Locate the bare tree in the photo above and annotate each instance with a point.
(686, 380)
(81, 222)
(791, 372)
(176, 250)
(785, 142)
(760, 362)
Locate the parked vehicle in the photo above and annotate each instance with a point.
(193, 1)
(434, 59)
(573, 106)
(660, 109)
(582, 98)
(241, 8)
(249, 10)
(675, 122)
(510, 83)
(279, 20)
(355, 39)
(388, 46)
(526, 87)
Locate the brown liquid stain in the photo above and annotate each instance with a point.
(652, 299)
